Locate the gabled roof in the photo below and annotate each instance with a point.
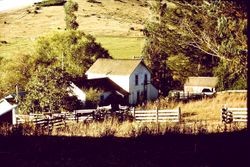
(201, 81)
(5, 106)
(114, 66)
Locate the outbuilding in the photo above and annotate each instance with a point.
(200, 84)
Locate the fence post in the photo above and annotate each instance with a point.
(179, 117)
(157, 115)
(133, 112)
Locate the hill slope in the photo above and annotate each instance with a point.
(116, 18)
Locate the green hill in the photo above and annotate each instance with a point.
(116, 24)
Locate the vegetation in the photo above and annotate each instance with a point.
(73, 50)
(70, 18)
(197, 38)
(122, 47)
(48, 92)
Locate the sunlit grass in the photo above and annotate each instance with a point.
(122, 47)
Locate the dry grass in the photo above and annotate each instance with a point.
(206, 109)
(135, 129)
(109, 19)
(199, 117)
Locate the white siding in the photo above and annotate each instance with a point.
(95, 76)
(133, 88)
(122, 81)
(128, 83)
(197, 89)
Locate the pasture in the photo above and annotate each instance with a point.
(115, 24)
(118, 47)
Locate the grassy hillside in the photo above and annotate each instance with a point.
(116, 24)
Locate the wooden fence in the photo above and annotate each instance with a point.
(229, 115)
(56, 119)
(173, 115)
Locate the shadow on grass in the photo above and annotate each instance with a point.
(228, 149)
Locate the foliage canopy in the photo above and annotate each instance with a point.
(197, 38)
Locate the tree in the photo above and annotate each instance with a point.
(73, 51)
(70, 18)
(15, 71)
(48, 91)
(206, 33)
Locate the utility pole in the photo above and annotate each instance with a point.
(62, 61)
(17, 93)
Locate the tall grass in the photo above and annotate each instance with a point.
(202, 110)
(198, 117)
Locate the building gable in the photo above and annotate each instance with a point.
(202, 81)
(114, 66)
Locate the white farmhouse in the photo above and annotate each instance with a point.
(132, 75)
(200, 84)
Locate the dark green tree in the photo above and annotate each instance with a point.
(48, 91)
(70, 18)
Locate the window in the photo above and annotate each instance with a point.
(136, 79)
(145, 79)
(138, 97)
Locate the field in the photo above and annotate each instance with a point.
(115, 24)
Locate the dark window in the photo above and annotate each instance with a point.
(102, 97)
(136, 79)
(145, 79)
(138, 97)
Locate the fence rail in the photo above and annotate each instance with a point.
(173, 115)
(229, 115)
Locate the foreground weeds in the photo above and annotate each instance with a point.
(124, 129)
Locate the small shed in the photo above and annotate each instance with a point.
(7, 112)
(198, 84)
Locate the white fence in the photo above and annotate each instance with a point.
(173, 115)
(236, 114)
(239, 114)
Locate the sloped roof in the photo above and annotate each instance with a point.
(114, 66)
(5, 106)
(201, 81)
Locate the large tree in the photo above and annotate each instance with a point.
(72, 50)
(48, 91)
(198, 38)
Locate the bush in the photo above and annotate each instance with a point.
(92, 98)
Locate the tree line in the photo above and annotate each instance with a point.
(197, 38)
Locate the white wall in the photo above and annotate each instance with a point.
(122, 81)
(133, 89)
(196, 89)
(128, 83)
